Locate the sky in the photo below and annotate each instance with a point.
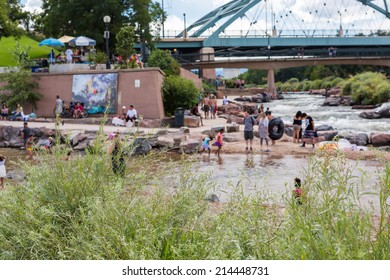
(284, 14)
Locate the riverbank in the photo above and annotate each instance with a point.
(282, 147)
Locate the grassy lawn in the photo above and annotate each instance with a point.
(8, 44)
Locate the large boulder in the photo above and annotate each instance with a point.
(191, 121)
(384, 110)
(327, 135)
(369, 115)
(332, 101)
(360, 139)
(232, 128)
(380, 139)
(324, 127)
(230, 108)
(190, 146)
(141, 146)
(231, 138)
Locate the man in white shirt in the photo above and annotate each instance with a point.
(69, 55)
(131, 114)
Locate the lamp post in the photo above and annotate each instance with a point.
(107, 20)
(185, 26)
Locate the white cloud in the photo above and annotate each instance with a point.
(32, 5)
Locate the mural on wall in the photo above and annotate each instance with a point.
(98, 92)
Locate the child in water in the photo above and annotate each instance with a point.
(3, 173)
(206, 144)
(218, 142)
(297, 193)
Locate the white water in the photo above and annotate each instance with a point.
(341, 118)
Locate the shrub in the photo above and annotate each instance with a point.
(164, 60)
(178, 92)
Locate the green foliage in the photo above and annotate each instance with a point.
(367, 88)
(125, 43)
(178, 92)
(19, 85)
(79, 209)
(164, 60)
(8, 24)
(86, 17)
(100, 57)
(254, 76)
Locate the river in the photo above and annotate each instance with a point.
(341, 118)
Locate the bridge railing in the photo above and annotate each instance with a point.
(264, 53)
(288, 33)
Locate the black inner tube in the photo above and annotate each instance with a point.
(276, 128)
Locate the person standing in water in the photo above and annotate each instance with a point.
(3, 172)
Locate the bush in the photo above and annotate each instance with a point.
(179, 92)
(367, 88)
(161, 213)
(164, 60)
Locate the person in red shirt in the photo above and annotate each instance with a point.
(78, 110)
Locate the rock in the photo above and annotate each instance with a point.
(235, 119)
(327, 135)
(381, 112)
(191, 121)
(229, 108)
(162, 132)
(230, 138)
(184, 129)
(251, 108)
(189, 147)
(323, 127)
(165, 142)
(380, 139)
(369, 115)
(243, 99)
(360, 139)
(232, 128)
(384, 110)
(289, 130)
(363, 107)
(332, 101)
(141, 146)
(212, 198)
(215, 129)
(177, 140)
(150, 123)
(83, 145)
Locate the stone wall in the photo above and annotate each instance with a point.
(139, 87)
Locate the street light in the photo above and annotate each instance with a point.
(107, 20)
(185, 26)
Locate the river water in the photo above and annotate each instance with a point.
(341, 118)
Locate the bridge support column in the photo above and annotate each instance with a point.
(207, 54)
(271, 82)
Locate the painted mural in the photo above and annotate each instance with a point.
(97, 92)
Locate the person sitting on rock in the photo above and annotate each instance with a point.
(78, 110)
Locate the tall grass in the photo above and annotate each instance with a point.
(79, 209)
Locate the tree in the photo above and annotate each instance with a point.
(164, 60)
(86, 17)
(19, 85)
(125, 43)
(8, 26)
(178, 92)
(254, 76)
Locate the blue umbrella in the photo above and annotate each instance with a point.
(52, 42)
